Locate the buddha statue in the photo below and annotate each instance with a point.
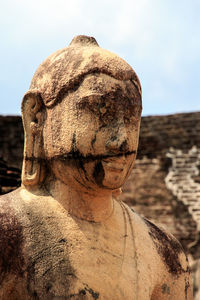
(64, 233)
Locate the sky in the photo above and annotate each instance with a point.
(159, 38)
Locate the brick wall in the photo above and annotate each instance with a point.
(159, 133)
(11, 140)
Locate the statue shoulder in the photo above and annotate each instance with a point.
(166, 246)
(161, 251)
(175, 278)
(9, 202)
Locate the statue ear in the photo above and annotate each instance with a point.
(33, 114)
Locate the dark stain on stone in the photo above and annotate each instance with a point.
(167, 247)
(11, 243)
(79, 162)
(165, 289)
(73, 146)
(39, 285)
(48, 287)
(35, 296)
(82, 184)
(93, 141)
(30, 271)
(98, 173)
(77, 155)
(81, 165)
(123, 147)
(113, 138)
(82, 293)
(187, 285)
(115, 101)
(62, 241)
(95, 295)
(49, 261)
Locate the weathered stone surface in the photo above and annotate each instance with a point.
(73, 238)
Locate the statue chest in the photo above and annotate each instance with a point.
(69, 260)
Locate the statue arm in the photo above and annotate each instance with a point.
(175, 286)
(174, 289)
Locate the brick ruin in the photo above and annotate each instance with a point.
(164, 185)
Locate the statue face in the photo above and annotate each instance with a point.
(91, 136)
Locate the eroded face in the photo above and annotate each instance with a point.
(91, 136)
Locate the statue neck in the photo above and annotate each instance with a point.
(90, 206)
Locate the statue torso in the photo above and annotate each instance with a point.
(57, 256)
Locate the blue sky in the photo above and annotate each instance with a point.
(159, 38)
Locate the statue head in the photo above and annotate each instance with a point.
(81, 118)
